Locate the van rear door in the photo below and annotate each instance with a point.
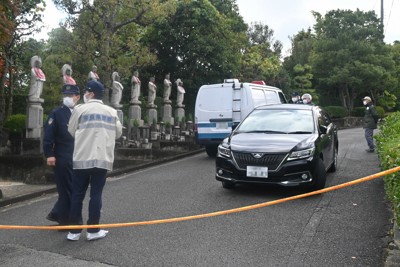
(213, 113)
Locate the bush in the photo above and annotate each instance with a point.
(358, 112)
(15, 123)
(380, 111)
(336, 111)
(389, 154)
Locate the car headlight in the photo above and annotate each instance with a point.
(301, 154)
(224, 151)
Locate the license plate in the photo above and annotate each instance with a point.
(222, 125)
(259, 172)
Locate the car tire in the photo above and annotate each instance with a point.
(319, 176)
(212, 151)
(228, 185)
(333, 167)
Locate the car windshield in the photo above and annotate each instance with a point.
(278, 121)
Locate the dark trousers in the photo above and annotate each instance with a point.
(63, 173)
(369, 136)
(82, 178)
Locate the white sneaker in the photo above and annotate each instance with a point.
(73, 237)
(98, 235)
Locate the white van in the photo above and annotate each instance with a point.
(219, 107)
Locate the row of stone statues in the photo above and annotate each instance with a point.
(38, 78)
(135, 90)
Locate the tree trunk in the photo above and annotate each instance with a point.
(3, 100)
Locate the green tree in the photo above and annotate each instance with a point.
(21, 18)
(301, 49)
(302, 77)
(349, 59)
(101, 30)
(261, 57)
(200, 43)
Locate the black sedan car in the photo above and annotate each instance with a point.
(286, 144)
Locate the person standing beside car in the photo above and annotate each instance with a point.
(369, 122)
(296, 98)
(95, 127)
(307, 99)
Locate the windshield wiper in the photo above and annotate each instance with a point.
(265, 131)
(300, 132)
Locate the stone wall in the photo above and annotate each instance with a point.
(32, 169)
(348, 122)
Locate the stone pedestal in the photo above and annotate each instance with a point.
(135, 113)
(34, 127)
(152, 115)
(120, 115)
(179, 114)
(166, 113)
(34, 121)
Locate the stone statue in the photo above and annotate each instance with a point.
(37, 80)
(135, 88)
(167, 89)
(152, 93)
(93, 74)
(66, 71)
(116, 90)
(180, 93)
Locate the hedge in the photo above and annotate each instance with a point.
(388, 146)
(336, 111)
(15, 123)
(360, 111)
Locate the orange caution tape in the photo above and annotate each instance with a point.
(206, 215)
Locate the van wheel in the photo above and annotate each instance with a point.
(212, 151)
(319, 176)
(228, 185)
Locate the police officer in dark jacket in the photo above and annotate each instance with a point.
(58, 146)
(369, 122)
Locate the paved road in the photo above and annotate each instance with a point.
(347, 227)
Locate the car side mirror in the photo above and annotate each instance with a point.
(323, 129)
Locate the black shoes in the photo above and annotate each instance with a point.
(52, 217)
(370, 150)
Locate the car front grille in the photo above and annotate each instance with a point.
(272, 161)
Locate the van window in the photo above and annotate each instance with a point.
(282, 97)
(262, 97)
(258, 97)
(214, 99)
(271, 97)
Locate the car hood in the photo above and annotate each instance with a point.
(268, 143)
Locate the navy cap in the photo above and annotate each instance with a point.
(96, 87)
(70, 89)
(295, 94)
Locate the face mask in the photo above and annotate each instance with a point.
(69, 102)
(365, 103)
(305, 101)
(85, 99)
(294, 99)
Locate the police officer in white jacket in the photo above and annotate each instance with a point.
(94, 127)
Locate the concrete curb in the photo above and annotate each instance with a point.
(31, 195)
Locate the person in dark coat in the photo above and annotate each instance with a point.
(296, 99)
(369, 122)
(58, 147)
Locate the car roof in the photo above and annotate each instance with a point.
(288, 106)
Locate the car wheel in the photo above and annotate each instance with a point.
(228, 185)
(212, 151)
(333, 167)
(319, 176)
